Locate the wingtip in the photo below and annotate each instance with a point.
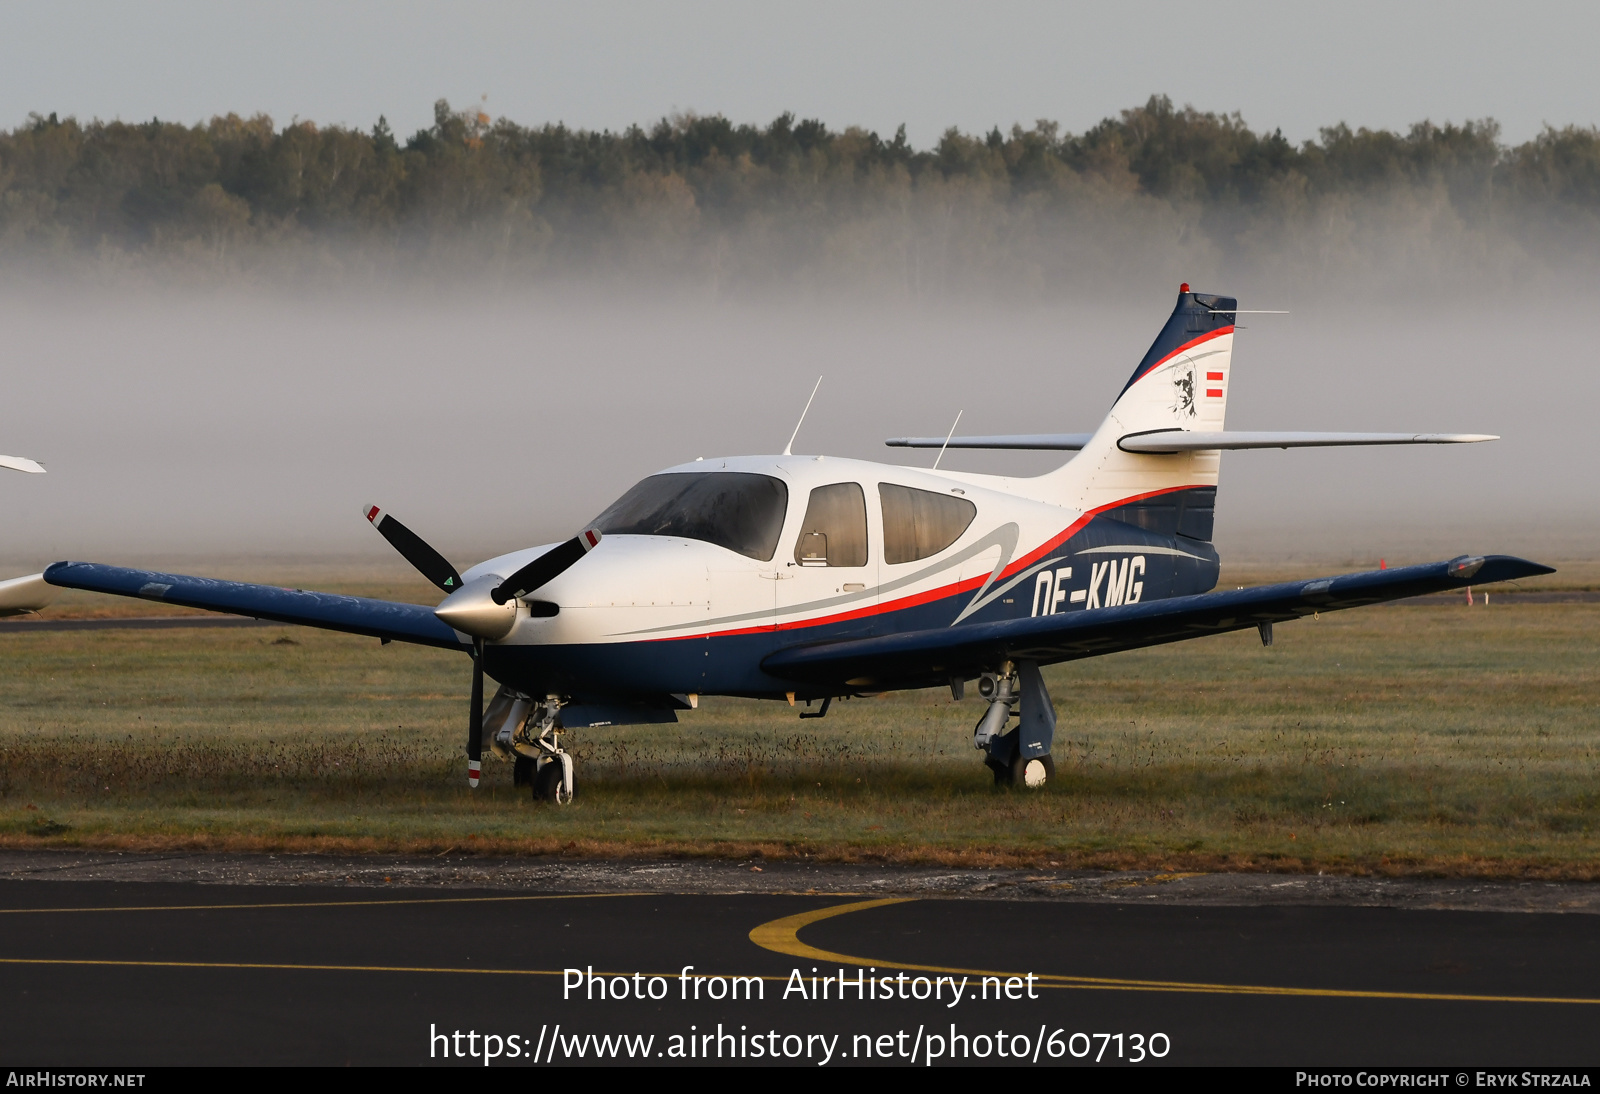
(1507, 568)
(57, 570)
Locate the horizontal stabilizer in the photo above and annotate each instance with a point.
(352, 614)
(1040, 442)
(932, 657)
(1185, 440)
(22, 463)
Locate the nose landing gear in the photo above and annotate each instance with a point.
(530, 734)
(1019, 755)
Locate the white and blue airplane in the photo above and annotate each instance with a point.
(810, 578)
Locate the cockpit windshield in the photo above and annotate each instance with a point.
(733, 509)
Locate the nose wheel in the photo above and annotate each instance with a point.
(552, 782)
(540, 764)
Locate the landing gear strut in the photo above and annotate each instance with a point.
(1019, 755)
(529, 733)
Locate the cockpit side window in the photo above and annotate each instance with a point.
(734, 509)
(835, 528)
(919, 523)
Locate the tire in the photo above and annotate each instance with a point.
(522, 771)
(547, 784)
(1030, 773)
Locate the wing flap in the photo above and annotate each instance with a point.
(388, 619)
(928, 658)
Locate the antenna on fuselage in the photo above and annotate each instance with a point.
(947, 437)
(788, 449)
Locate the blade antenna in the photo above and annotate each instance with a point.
(947, 437)
(788, 449)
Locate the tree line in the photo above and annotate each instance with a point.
(726, 203)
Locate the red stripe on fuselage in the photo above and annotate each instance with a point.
(942, 592)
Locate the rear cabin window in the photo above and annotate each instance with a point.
(733, 509)
(919, 523)
(835, 528)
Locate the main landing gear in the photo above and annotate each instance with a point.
(529, 734)
(1019, 755)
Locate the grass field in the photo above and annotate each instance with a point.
(1435, 738)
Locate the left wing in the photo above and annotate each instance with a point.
(387, 619)
(930, 658)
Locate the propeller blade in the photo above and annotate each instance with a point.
(475, 718)
(544, 569)
(430, 563)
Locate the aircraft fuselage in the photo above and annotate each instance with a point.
(661, 614)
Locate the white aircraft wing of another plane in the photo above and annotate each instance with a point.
(22, 463)
(22, 595)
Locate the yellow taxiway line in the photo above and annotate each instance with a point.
(778, 936)
(783, 936)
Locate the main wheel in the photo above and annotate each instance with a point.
(522, 771)
(1031, 772)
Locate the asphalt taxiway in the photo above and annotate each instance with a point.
(140, 972)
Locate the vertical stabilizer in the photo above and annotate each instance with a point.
(1182, 383)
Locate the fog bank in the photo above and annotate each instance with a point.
(185, 423)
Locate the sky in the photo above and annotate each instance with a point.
(928, 64)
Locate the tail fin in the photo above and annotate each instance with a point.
(1182, 383)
